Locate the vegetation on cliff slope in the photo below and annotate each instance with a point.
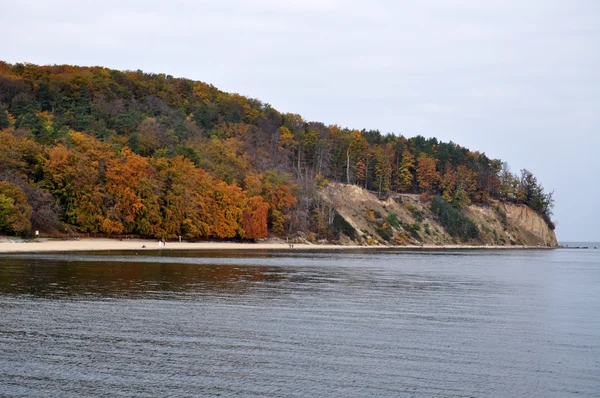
(101, 150)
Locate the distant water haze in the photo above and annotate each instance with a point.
(590, 245)
(516, 80)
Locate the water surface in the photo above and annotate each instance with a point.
(301, 324)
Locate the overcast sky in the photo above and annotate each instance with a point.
(518, 80)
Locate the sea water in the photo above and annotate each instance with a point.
(301, 324)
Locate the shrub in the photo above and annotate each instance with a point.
(413, 229)
(418, 215)
(341, 226)
(369, 214)
(385, 231)
(456, 223)
(393, 220)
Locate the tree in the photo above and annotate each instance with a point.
(358, 154)
(4, 120)
(132, 185)
(448, 183)
(76, 174)
(225, 159)
(427, 174)
(383, 156)
(15, 211)
(509, 183)
(254, 219)
(278, 193)
(466, 185)
(405, 172)
(164, 156)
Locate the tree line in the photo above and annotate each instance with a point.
(101, 150)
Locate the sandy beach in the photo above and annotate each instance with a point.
(8, 245)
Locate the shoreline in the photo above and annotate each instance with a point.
(98, 244)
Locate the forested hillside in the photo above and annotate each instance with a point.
(104, 151)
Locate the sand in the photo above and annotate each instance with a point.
(8, 245)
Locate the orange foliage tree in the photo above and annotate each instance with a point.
(427, 174)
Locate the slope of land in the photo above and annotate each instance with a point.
(90, 150)
(407, 220)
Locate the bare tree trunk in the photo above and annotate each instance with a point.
(331, 214)
(348, 165)
(299, 153)
(366, 173)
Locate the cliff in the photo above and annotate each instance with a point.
(405, 220)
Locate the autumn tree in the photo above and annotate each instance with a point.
(427, 174)
(161, 156)
(448, 183)
(405, 172)
(466, 186)
(133, 187)
(254, 218)
(225, 159)
(278, 194)
(383, 156)
(357, 155)
(4, 120)
(15, 211)
(75, 174)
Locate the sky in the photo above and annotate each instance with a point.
(518, 80)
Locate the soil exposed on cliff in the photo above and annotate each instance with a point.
(404, 219)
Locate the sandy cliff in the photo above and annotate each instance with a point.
(404, 219)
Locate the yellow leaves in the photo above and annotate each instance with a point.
(225, 158)
(251, 114)
(278, 193)
(427, 174)
(321, 181)
(129, 182)
(253, 184)
(204, 92)
(46, 116)
(383, 166)
(111, 227)
(15, 150)
(408, 160)
(407, 163)
(448, 183)
(370, 214)
(234, 130)
(358, 145)
(15, 211)
(286, 139)
(466, 179)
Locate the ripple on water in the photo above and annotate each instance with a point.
(300, 324)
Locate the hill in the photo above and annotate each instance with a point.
(95, 150)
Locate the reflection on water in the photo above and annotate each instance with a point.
(55, 278)
(155, 274)
(524, 323)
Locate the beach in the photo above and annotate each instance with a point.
(9, 245)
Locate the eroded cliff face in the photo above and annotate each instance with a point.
(404, 219)
(532, 227)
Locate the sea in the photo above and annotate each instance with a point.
(376, 323)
